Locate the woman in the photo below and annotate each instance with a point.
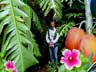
(52, 38)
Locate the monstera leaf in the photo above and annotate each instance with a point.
(18, 44)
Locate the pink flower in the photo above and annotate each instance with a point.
(70, 59)
(9, 65)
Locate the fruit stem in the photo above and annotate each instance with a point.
(82, 22)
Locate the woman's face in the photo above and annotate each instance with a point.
(52, 24)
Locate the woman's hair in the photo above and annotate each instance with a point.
(52, 21)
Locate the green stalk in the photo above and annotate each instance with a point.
(88, 17)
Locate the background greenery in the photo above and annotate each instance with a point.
(23, 25)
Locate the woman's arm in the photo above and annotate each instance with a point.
(47, 39)
(56, 39)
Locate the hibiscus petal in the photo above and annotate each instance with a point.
(62, 60)
(75, 53)
(68, 66)
(66, 53)
(77, 63)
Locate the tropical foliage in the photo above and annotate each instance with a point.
(21, 19)
(18, 42)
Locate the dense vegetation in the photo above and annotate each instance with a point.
(23, 25)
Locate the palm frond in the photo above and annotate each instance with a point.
(63, 29)
(71, 2)
(47, 5)
(70, 15)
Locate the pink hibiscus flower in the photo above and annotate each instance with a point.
(9, 65)
(70, 59)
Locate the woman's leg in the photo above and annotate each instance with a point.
(51, 54)
(56, 53)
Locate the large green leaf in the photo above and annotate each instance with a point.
(33, 45)
(17, 45)
(33, 16)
